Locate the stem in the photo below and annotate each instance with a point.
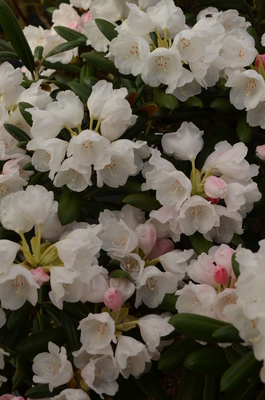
(39, 240)
(159, 40)
(47, 251)
(165, 38)
(98, 125)
(72, 133)
(91, 122)
(126, 324)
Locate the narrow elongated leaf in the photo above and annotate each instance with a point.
(208, 361)
(63, 47)
(70, 204)
(227, 334)
(98, 60)
(15, 35)
(148, 384)
(77, 310)
(8, 54)
(24, 369)
(17, 133)
(38, 343)
(240, 371)
(197, 327)
(71, 332)
(62, 67)
(191, 385)
(143, 201)
(19, 315)
(38, 52)
(244, 130)
(41, 391)
(119, 273)
(169, 303)
(25, 114)
(211, 387)
(138, 127)
(222, 104)
(6, 46)
(246, 391)
(174, 357)
(70, 35)
(235, 266)
(80, 90)
(200, 244)
(107, 28)
(54, 313)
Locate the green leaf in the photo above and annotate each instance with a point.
(191, 385)
(24, 369)
(169, 303)
(197, 327)
(211, 387)
(38, 53)
(193, 102)
(118, 273)
(174, 357)
(28, 167)
(19, 315)
(98, 60)
(71, 332)
(240, 371)
(40, 323)
(244, 130)
(88, 71)
(107, 28)
(166, 100)
(246, 391)
(38, 343)
(70, 204)
(150, 108)
(62, 67)
(80, 90)
(41, 391)
(138, 127)
(8, 54)
(148, 384)
(208, 361)
(227, 334)
(235, 266)
(77, 310)
(222, 104)
(25, 114)
(70, 35)
(16, 132)
(145, 202)
(6, 46)
(199, 243)
(64, 47)
(15, 35)
(54, 313)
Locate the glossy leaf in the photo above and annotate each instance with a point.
(17, 133)
(222, 104)
(193, 102)
(191, 385)
(239, 372)
(208, 361)
(227, 334)
(77, 310)
(246, 391)
(119, 273)
(62, 67)
(169, 303)
(80, 90)
(8, 54)
(211, 387)
(71, 332)
(24, 369)
(138, 127)
(244, 130)
(64, 47)
(107, 28)
(38, 52)
(25, 114)
(6, 46)
(16, 36)
(166, 100)
(199, 243)
(21, 314)
(235, 266)
(41, 391)
(197, 327)
(70, 204)
(143, 201)
(174, 357)
(70, 35)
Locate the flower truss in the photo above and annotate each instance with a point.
(132, 154)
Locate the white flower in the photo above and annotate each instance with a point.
(53, 367)
(119, 239)
(72, 394)
(95, 37)
(256, 116)
(65, 286)
(10, 217)
(185, 143)
(175, 261)
(75, 176)
(228, 296)
(202, 270)
(97, 330)
(131, 356)
(152, 328)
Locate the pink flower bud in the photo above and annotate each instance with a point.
(39, 275)
(113, 299)
(223, 256)
(260, 152)
(262, 59)
(86, 17)
(215, 187)
(162, 246)
(146, 236)
(220, 275)
(213, 201)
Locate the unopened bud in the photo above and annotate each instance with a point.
(221, 275)
(113, 299)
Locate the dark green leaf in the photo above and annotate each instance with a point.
(80, 90)
(261, 396)
(169, 303)
(244, 130)
(197, 327)
(107, 28)
(70, 35)
(17, 133)
(6, 46)
(38, 343)
(222, 104)
(193, 102)
(138, 127)
(88, 71)
(211, 387)
(77, 310)
(199, 243)
(71, 332)
(54, 313)
(227, 334)
(15, 35)
(166, 100)
(51, 9)
(240, 371)
(148, 384)
(235, 266)
(41, 391)
(8, 54)
(208, 361)
(191, 385)
(16, 382)
(100, 61)
(38, 53)
(118, 273)
(25, 114)
(70, 204)
(40, 323)
(64, 47)
(24, 369)
(19, 315)
(143, 201)
(62, 67)
(246, 391)
(174, 357)
(28, 167)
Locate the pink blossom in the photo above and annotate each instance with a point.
(113, 299)
(223, 256)
(215, 187)
(86, 17)
(260, 150)
(220, 275)
(74, 25)
(162, 246)
(40, 276)
(260, 58)
(147, 236)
